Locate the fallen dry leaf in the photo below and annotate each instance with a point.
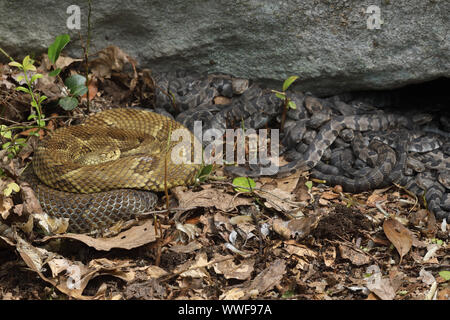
(194, 269)
(374, 198)
(329, 256)
(186, 248)
(206, 198)
(222, 100)
(109, 59)
(6, 204)
(230, 270)
(399, 236)
(329, 195)
(267, 279)
(354, 256)
(296, 228)
(278, 199)
(132, 238)
(379, 285)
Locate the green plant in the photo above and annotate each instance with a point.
(288, 103)
(14, 142)
(75, 83)
(243, 184)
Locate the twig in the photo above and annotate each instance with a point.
(7, 55)
(86, 54)
(170, 276)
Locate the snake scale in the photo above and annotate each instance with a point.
(344, 142)
(100, 172)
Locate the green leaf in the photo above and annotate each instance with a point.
(247, 184)
(79, 91)
(68, 103)
(56, 47)
(4, 132)
(292, 105)
(41, 123)
(6, 145)
(10, 188)
(287, 83)
(35, 77)
(76, 84)
(205, 172)
(309, 184)
(55, 72)
(42, 98)
(445, 274)
(34, 133)
(20, 78)
(15, 64)
(28, 64)
(32, 116)
(23, 89)
(281, 96)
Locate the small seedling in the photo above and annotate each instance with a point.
(75, 83)
(288, 103)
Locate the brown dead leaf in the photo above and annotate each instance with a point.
(134, 237)
(232, 294)
(329, 256)
(263, 282)
(109, 59)
(30, 201)
(378, 285)
(206, 198)
(93, 88)
(354, 256)
(399, 236)
(155, 271)
(187, 248)
(230, 270)
(6, 204)
(194, 269)
(64, 62)
(374, 198)
(267, 279)
(222, 100)
(47, 85)
(70, 277)
(328, 195)
(444, 294)
(278, 199)
(296, 228)
(299, 250)
(324, 202)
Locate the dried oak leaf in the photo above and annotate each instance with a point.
(208, 198)
(378, 285)
(354, 256)
(132, 238)
(399, 236)
(109, 59)
(296, 228)
(230, 270)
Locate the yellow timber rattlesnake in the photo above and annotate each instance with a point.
(100, 172)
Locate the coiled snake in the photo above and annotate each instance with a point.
(100, 172)
(319, 135)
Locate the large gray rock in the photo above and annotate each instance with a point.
(327, 43)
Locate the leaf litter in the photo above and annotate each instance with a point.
(288, 238)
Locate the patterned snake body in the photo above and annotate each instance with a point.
(98, 167)
(315, 134)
